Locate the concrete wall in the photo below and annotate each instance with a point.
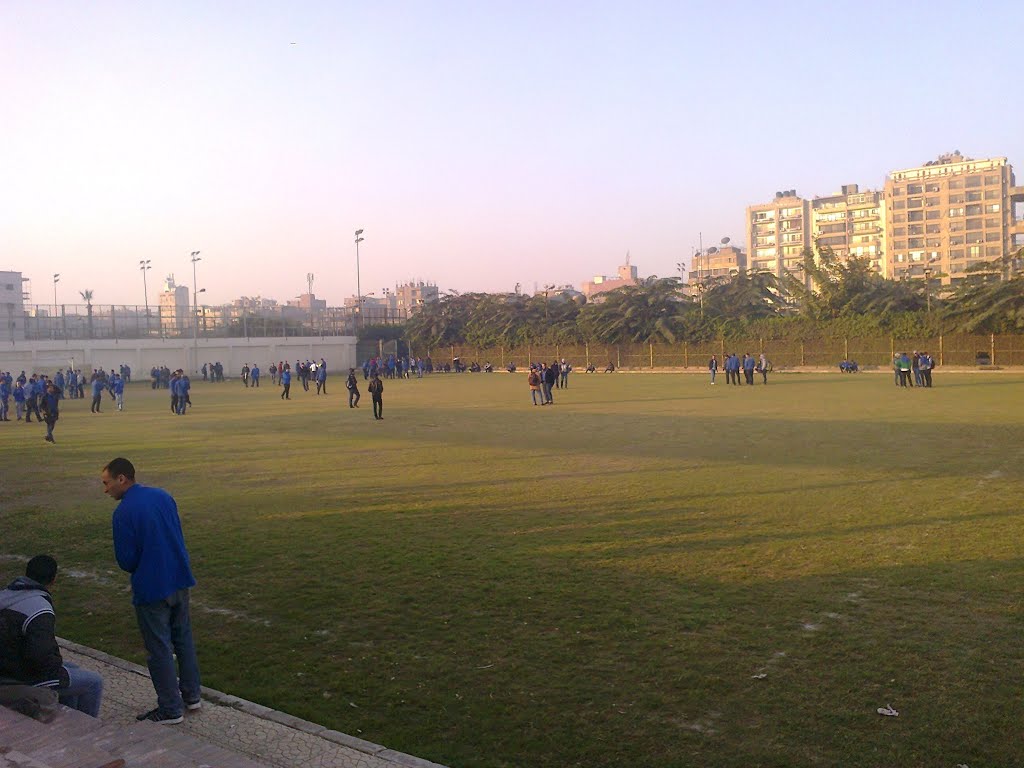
(143, 354)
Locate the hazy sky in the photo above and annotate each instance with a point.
(478, 144)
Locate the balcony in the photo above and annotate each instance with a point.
(1017, 194)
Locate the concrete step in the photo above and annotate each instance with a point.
(74, 740)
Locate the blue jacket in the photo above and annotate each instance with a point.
(97, 387)
(286, 377)
(149, 544)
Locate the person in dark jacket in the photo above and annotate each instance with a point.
(549, 376)
(51, 409)
(29, 653)
(352, 385)
(376, 390)
(149, 544)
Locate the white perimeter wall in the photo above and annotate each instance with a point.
(143, 354)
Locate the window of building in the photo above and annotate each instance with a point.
(993, 194)
(934, 242)
(993, 236)
(899, 232)
(915, 216)
(932, 187)
(994, 250)
(992, 179)
(899, 218)
(899, 205)
(915, 202)
(956, 183)
(973, 196)
(933, 229)
(973, 181)
(973, 224)
(898, 191)
(900, 244)
(916, 242)
(956, 212)
(915, 229)
(991, 222)
(957, 198)
(956, 239)
(956, 253)
(973, 251)
(916, 255)
(899, 257)
(915, 189)
(936, 214)
(993, 208)
(973, 210)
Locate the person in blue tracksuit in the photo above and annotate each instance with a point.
(321, 377)
(286, 382)
(119, 392)
(97, 394)
(749, 363)
(254, 375)
(5, 398)
(183, 386)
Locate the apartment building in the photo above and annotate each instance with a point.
(949, 214)
(851, 223)
(713, 264)
(777, 233)
(12, 306)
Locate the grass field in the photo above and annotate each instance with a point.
(653, 572)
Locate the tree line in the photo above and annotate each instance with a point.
(833, 297)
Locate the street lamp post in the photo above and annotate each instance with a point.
(195, 312)
(144, 265)
(56, 279)
(359, 290)
(928, 285)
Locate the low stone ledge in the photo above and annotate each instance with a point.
(353, 742)
(407, 760)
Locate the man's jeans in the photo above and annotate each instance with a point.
(84, 691)
(167, 629)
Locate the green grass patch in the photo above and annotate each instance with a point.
(604, 582)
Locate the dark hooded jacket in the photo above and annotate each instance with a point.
(28, 646)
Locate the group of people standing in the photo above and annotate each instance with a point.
(912, 370)
(35, 394)
(749, 365)
(544, 378)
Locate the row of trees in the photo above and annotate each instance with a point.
(839, 297)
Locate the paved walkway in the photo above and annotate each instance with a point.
(265, 735)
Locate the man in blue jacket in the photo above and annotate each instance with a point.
(149, 544)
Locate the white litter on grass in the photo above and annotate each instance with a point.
(809, 627)
(888, 711)
(759, 676)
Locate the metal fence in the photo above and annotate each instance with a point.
(112, 321)
(959, 349)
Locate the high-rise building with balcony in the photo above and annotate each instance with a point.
(777, 233)
(175, 307)
(951, 214)
(851, 223)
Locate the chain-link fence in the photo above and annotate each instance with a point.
(42, 322)
(957, 349)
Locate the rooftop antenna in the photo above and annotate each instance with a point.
(309, 282)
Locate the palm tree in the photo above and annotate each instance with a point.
(87, 298)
